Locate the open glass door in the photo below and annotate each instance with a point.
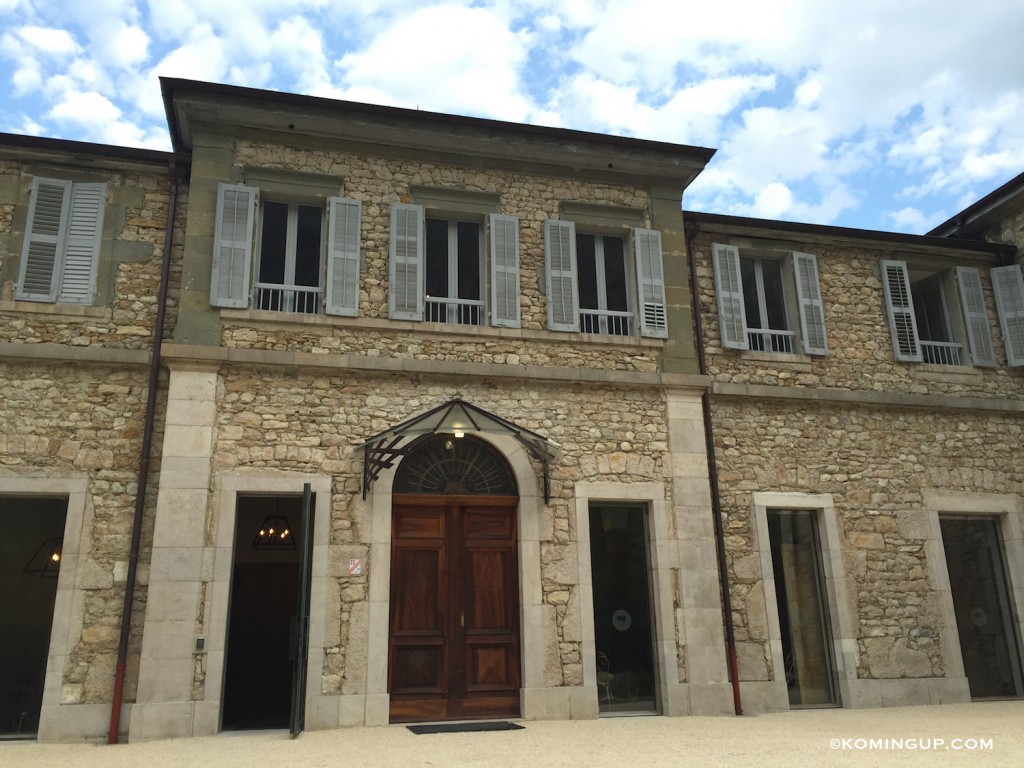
(300, 627)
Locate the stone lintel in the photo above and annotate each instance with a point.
(65, 353)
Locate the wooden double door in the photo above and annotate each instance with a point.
(454, 648)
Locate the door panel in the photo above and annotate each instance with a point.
(454, 611)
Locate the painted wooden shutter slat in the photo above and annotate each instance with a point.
(1008, 283)
(405, 294)
(899, 306)
(732, 317)
(85, 227)
(560, 275)
(232, 245)
(812, 308)
(650, 277)
(504, 270)
(972, 302)
(343, 233)
(44, 240)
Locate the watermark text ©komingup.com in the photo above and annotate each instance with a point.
(912, 743)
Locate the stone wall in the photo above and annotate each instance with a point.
(860, 345)
(280, 421)
(877, 463)
(62, 421)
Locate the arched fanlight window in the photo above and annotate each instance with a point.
(445, 464)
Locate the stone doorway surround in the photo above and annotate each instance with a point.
(62, 715)
(772, 695)
(1009, 514)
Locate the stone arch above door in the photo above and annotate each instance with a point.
(444, 464)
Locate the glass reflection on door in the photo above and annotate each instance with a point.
(984, 615)
(623, 617)
(803, 616)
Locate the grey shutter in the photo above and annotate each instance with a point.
(45, 235)
(560, 275)
(1008, 284)
(732, 316)
(405, 293)
(812, 309)
(899, 306)
(82, 248)
(343, 238)
(232, 245)
(650, 279)
(972, 303)
(504, 232)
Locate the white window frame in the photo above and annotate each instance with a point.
(291, 294)
(643, 263)
(63, 241)
(237, 250)
(454, 307)
(801, 288)
(499, 302)
(601, 313)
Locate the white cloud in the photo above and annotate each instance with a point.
(442, 58)
(49, 41)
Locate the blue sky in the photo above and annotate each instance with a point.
(876, 114)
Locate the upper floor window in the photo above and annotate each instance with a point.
(763, 300)
(307, 256)
(937, 316)
(438, 267)
(62, 241)
(591, 288)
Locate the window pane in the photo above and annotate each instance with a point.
(469, 260)
(774, 297)
(307, 246)
(750, 303)
(273, 238)
(587, 266)
(436, 277)
(930, 309)
(615, 274)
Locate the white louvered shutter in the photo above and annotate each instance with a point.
(343, 238)
(1008, 284)
(650, 278)
(812, 309)
(405, 293)
(972, 303)
(45, 235)
(232, 245)
(899, 306)
(504, 232)
(560, 275)
(82, 247)
(732, 316)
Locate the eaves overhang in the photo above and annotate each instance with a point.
(193, 105)
(80, 153)
(975, 218)
(811, 233)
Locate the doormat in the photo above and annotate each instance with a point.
(491, 725)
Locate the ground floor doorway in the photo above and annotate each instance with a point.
(264, 635)
(803, 613)
(454, 648)
(980, 590)
(30, 557)
(623, 613)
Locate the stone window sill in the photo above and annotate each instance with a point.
(283, 320)
(794, 362)
(65, 312)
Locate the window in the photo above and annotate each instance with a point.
(763, 299)
(590, 286)
(937, 317)
(62, 242)
(300, 267)
(438, 267)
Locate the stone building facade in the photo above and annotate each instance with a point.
(867, 413)
(82, 241)
(534, 280)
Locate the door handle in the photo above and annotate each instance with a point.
(462, 618)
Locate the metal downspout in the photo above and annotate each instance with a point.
(692, 228)
(147, 442)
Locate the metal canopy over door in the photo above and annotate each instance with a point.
(454, 647)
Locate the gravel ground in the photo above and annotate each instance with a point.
(984, 734)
